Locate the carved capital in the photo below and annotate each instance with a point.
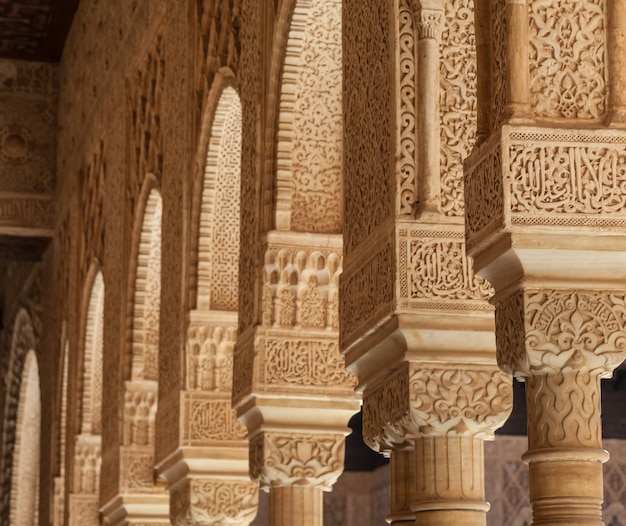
(209, 501)
(471, 400)
(561, 331)
(436, 400)
(429, 23)
(296, 459)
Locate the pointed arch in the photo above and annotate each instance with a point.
(309, 120)
(218, 217)
(142, 361)
(26, 455)
(146, 286)
(27, 452)
(87, 458)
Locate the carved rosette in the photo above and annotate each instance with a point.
(296, 459)
(436, 400)
(214, 501)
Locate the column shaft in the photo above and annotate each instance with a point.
(428, 110)
(450, 481)
(402, 487)
(297, 506)
(617, 62)
(565, 455)
(518, 72)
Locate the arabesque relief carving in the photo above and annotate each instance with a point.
(296, 459)
(436, 400)
(569, 340)
(221, 502)
(567, 59)
(457, 101)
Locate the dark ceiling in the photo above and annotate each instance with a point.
(35, 29)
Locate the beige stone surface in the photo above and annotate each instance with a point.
(242, 197)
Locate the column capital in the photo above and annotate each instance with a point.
(560, 331)
(213, 501)
(296, 459)
(436, 400)
(429, 23)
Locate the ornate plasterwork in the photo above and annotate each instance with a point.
(562, 342)
(92, 180)
(219, 223)
(145, 94)
(368, 294)
(210, 357)
(567, 175)
(27, 448)
(250, 82)
(300, 287)
(457, 101)
(296, 459)
(22, 341)
(210, 420)
(407, 60)
(498, 66)
(86, 475)
(291, 363)
(546, 176)
(435, 400)
(435, 273)
(216, 44)
(567, 59)
(564, 331)
(214, 501)
(483, 184)
(309, 152)
(369, 124)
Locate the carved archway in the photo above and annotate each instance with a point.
(22, 341)
(84, 478)
(26, 455)
(140, 392)
(217, 488)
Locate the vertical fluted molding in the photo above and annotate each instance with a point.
(297, 506)
(450, 481)
(402, 487)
